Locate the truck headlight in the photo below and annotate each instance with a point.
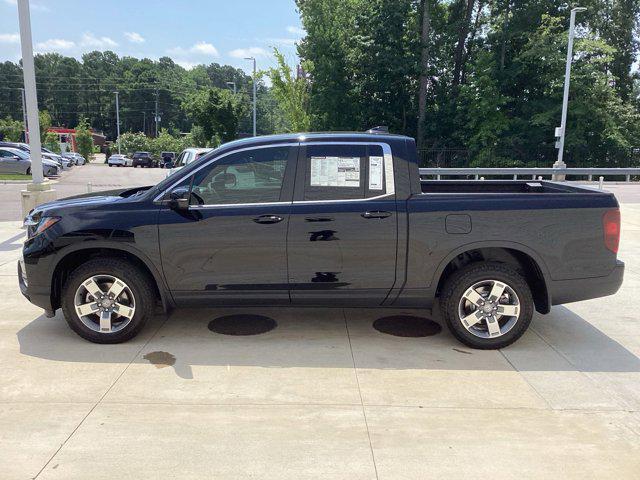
(36, 224)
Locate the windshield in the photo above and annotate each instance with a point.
(19, 153)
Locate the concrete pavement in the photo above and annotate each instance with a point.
(322, 395)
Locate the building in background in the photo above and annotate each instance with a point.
(67, 138)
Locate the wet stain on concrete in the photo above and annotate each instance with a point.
(160, 359)
(463, 351)
(407, 326)
(242, 324)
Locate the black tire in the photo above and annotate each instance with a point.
(28, 171)
(110, 165)
(140, 284)
(460, 281)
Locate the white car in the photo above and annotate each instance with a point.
(186, 157)
(119, 160)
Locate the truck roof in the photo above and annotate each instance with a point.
(311, 136)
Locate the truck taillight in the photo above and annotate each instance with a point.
(611, 225)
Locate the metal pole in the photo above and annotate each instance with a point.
(567, 76)
(31, 96)
(24, 117)
(254, 93)
(156, 118)
(118, 120)
(234, 86)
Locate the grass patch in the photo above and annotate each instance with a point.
(14, 176)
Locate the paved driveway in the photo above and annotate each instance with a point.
(323, 395)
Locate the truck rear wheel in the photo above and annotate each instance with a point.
(487, 305)
(107, 300)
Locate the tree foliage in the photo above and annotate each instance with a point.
(291, 91)
(84, 139)
(218, 112)
(486, 76)
(10, 130)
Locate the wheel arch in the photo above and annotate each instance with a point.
(78, 255)
(533, 267)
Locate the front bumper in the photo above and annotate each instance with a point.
(577, 289)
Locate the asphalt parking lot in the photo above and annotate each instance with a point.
(317, 393)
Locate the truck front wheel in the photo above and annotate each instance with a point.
(487, 305)
(107, 300)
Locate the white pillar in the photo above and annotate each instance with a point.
(38, 191)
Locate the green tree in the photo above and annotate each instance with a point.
(291, 91)
(84, 139)
(10, 130)
(45, 124)
(217, 112)
(51, 142)
(134, 142)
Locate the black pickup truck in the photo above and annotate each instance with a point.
(322, 220)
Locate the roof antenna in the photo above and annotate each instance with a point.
(379, 129)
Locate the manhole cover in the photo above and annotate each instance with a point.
(242, 324)
(407, 326)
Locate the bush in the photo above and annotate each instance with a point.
(11, 130)
(84, 139)
(52, 142)
(133, 142)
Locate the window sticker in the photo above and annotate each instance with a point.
(375, 173)
(335, 171)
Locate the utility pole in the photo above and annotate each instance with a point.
(144, 122)
(38, 191)
(118, 119)
(560, 131)
(156, 122)
(24, 117)
(254, 93)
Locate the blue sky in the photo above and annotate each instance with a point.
(190, 32)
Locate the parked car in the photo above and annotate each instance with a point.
(166, 159)
(14, 160)
(76, 157)
(119, 160)
(338, 219)
(144, 159)
(46, 154)
(186, 157)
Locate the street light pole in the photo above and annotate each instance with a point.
(156, 113)
(567, 77)
(254, 93)
(118, 119)
(24, 117)
(31, 97)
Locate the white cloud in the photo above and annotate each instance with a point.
(32, 6)
(248, 52)
(296, 30)
(205, 49)
(54, 45)
(9, 38)
(200, 49)
(134, 37)
(101, 43)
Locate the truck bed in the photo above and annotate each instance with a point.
(501, 186)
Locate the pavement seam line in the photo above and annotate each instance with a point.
(102, 397)
(364, 412)
(526, 380)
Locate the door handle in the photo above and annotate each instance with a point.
(376, 214)
(268, 219)
(318, 219)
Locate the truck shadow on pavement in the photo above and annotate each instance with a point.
(331, 338)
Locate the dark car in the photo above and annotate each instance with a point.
(167, 159)
(144, 159)
(340, 220)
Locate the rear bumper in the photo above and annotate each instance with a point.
(575, 290)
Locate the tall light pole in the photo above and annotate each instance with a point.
(157, 118)
(24, 117)
(31, 97)
(567, 76)
(254, 93)
(118, 119)
(233, 84)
